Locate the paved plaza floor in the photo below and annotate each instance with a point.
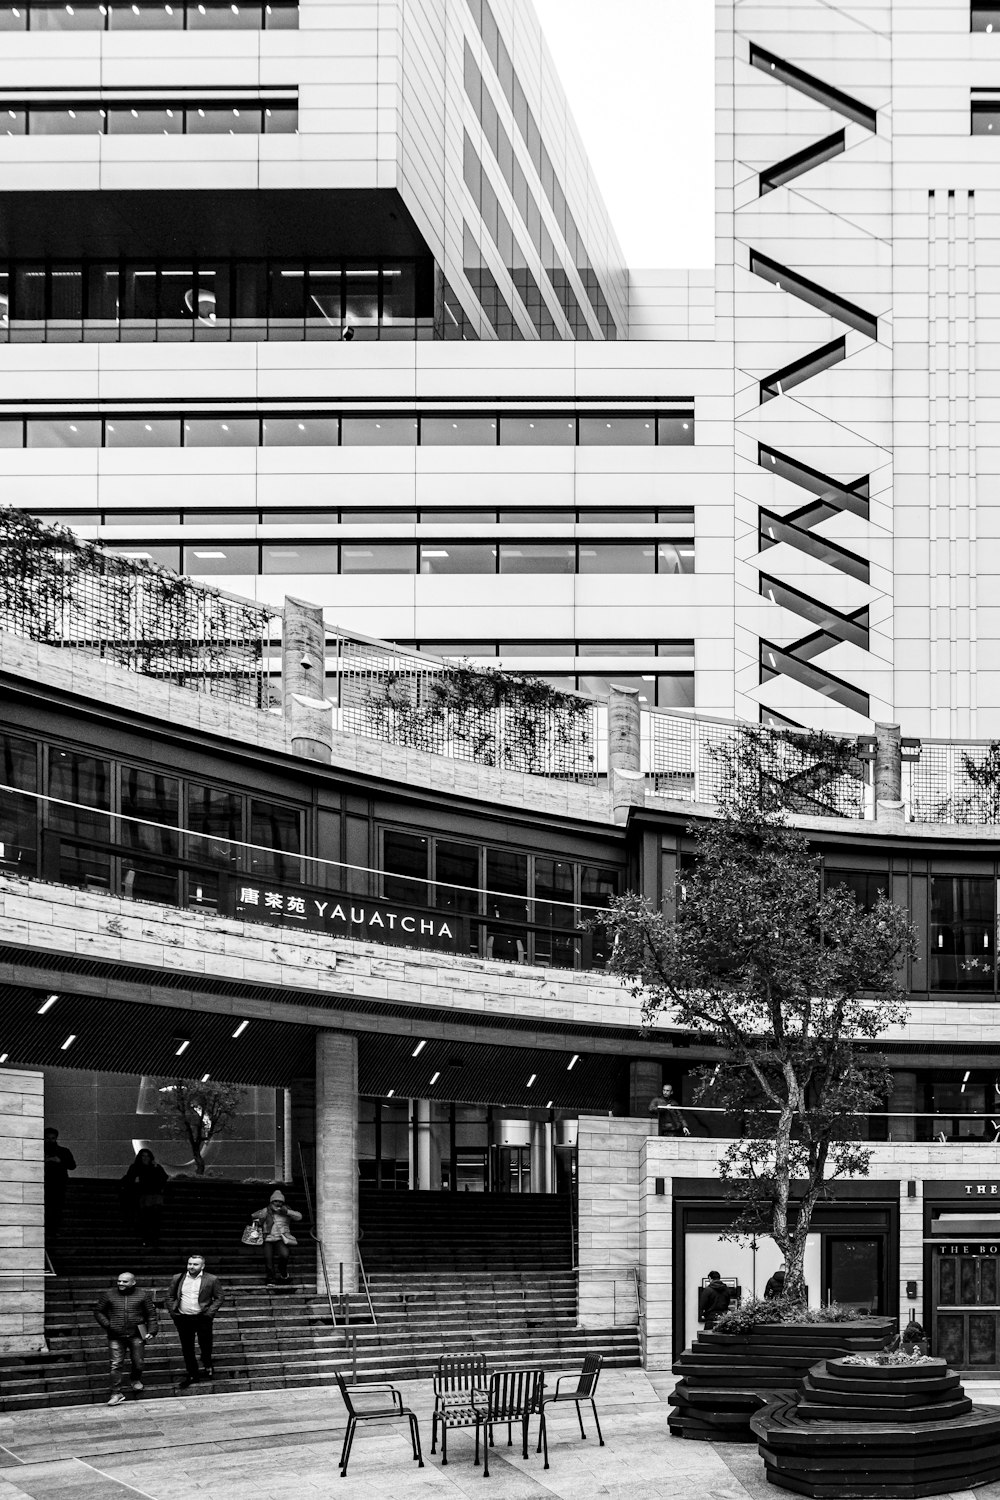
(284, 1445)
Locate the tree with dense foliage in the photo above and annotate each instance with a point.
(792, 982)
(199, 1113)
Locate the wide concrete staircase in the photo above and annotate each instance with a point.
(446, 1273)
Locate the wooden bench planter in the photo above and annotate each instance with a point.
(726, 1377)
(890, 1430)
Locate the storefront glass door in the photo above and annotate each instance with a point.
(966, 1289)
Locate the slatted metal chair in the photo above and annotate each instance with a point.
(381, 1413)
(586, 1386)
(512, 1396)
(458, 1378)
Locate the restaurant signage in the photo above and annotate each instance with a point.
(967, 1247)
(340, 915)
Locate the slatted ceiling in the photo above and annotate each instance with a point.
(164, 979)
(479, 1073)
(115, 1037)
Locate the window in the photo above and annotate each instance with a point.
(277, 828)
(554, 913)
(456, 865)
(85, 781)
(294, 432)
(212, 558)
(144, 121)
(537, 557)
(11, 434)
(136, 17)
(674, 557)
(404, 862)
(154, 799)
(617, 557)
(479, 432)
(18, 815)
(617, 432)
(85, 120)
(392, 432)
(66, 434)
(986, 116)
(865, 885)
(163, 557)
(303, 558)
(538, 431)
(675, 430)
(451, 558)
(962, 927)
(984, 16)
(217, 815)
(148, 518)
(379, 557)
(157, 432)
(225, 432)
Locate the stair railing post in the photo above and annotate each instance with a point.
(317, 1241)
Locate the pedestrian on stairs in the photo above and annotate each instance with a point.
(193, 1299)
(277, 1236)
(128, 1316)
(143, 1187)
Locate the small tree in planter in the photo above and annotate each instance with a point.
(792, 982)
(199, 1113)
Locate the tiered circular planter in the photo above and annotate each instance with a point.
(879, 1430)
(726, 1377)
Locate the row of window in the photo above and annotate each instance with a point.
(169, 117)
(669, 429)
(681, 519)
(123, 15)
(675, 650)
(331, 558)
(220, 299)
(496, 50)
(498, 225)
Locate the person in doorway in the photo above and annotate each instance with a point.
(776, 1284)
(669, 1120)
(278, 1236)
(143, 1188)
(58, 1162)
(716, 1300)
(193, 1299)
(128, 1316)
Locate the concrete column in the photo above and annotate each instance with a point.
(22, 1202)
(541, 1156)
(303, 681)
(644, 1083)
(903, 1097)
(625, 778)
(337, 1155)
(888, 771)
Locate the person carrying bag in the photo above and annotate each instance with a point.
(277, 1230)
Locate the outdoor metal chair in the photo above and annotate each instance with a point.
(586, 1385)
(459, 1377)
(382, 1413)
(513, 1396)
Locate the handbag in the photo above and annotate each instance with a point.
(253, 1234)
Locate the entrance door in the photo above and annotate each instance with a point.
(967, 1308)
(512, 1169)
(854, 1275)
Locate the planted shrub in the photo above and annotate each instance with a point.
(756, 1312)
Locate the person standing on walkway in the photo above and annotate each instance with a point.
(128, 1316)
(193, 1299)
(776, 1283)
(278, 1236)
(716, 1300)
(669, 1120)
(58, 1162)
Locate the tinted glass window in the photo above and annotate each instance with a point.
(46, 434)
(291, 432)
(13, 121)
(128, 17)
(13, 17)
(537, 557)
(66, 18)
(617, 432)
(450, 431)
(158, 432)
(480, 558)
(865, 885)
(219, 17)
(962, 932)
(83, 121)
(404, 855)
(142, 518)
(378, 431)
(225, 432)
(675, 690)
(379, 557)
(145, 121)
(281, 121)
(228, 119)
(11, 434)
(675, 431)
(163, 557)
(84, 780)
(210, 558)
(538, 431)
(18, 815)
(277, 828)
(616, 557)
(458, 865)
(301, 558)
(674, 557)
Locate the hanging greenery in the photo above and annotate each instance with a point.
(486, 715)
(57, 588)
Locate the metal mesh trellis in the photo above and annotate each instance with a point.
(955, 783)
(450, 709)
(810, 774)
(67, 592)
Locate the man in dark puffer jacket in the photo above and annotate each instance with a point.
(128, 1316)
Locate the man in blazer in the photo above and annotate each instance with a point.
(193, 1299)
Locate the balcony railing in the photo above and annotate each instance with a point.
(928, 1127)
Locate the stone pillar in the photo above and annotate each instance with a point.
(22, 1200)
(310, 722)
(337, 1155)
(888, 772)
(644, 1083)
(902, 1098)
(303, 652)
(625, 778)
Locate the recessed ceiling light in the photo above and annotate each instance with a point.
(418, 1049)
(47, 1004)
(240, 1029)
(3, 1057)
(435, 1078)
(390, 1093)
(205, 1077)
(68, 1042)
(532, 1079)
(572, 1062)
(183, 1043)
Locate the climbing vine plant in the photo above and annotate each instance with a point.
(64, 591)
(486, 715)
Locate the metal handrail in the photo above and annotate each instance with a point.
(317, 1240)
(366, 1288)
